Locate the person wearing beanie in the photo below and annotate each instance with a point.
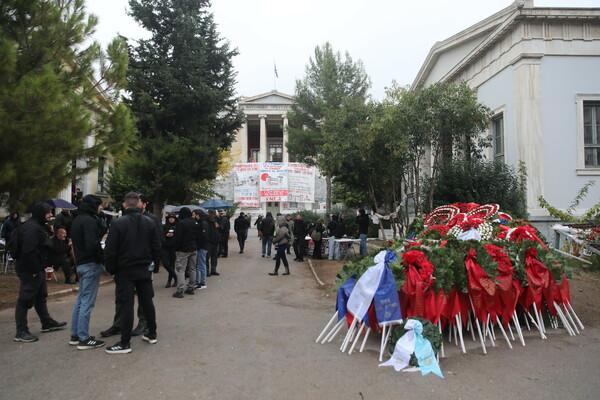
(87, 231)
(33, 243)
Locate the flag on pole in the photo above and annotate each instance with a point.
(275, 69)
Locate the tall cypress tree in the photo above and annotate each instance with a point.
(182, 93)
(58, 98)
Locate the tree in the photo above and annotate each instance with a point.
(441, 121)
(182, 94)
(58, 98)
(329, 82)
(365, 153)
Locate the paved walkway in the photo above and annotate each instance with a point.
(251, 336)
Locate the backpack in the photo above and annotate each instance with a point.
(315, 235)
(13, 247)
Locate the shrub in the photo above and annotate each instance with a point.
(479, 182)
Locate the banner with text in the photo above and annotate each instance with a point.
(245, 181)
(273, 181)
(301, 183)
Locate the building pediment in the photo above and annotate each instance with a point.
(447, 60)
(273, 97)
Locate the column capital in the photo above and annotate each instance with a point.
(284, 116)
(262, 116)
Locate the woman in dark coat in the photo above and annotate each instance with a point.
(168, 249)
(318, 243)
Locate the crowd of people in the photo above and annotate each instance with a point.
(188, 245)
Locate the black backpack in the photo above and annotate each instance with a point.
(13, 247)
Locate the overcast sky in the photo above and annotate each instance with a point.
(391, 37)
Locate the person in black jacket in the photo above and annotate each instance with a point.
(363, 230)
(267, 229)
(59, 256)
(186, 250)
(241, 226)
(225, 227)
(212, 236)
(33, 243)
(132, 249)
(333, 228)
(202, 219)
(168, 249)
(319, 228)
(300, 229)
(87, 231)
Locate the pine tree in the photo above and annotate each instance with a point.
(58, 98)
(182, 94)
(329, 82)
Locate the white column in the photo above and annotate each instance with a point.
(286, 157)
(244, 141)
(528, 124)
(262, 157)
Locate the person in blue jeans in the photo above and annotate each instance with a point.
(202, 219)
(362, 220)
(87, 231)
(268, 228)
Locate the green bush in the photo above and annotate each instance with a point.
(350, 220)
(479, 182)
(309, 216)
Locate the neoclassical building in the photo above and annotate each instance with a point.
(538, 70)
(263, 136)
(265, 177)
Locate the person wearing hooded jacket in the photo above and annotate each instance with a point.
(168, 249)
(267, 229)
(241, 226)
(186, 248)
(87, 231)
(33, 243)
(281, 240)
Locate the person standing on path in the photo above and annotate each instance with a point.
(87, 231)
(212, 236)
(186, 247)
(363, 230)
(300, 229)
(168, 249)
(258, 225)
(241, 226)
(290, 225)
(202, 224)
(225, 227)
(32, 243)
(267, 229)
(281, 242)
(132, 250)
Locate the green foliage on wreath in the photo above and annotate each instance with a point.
(357, 266)
(430, 332)
(449, 268)
(416, 226)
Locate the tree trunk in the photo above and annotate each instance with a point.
(374, 200)
(328, 193)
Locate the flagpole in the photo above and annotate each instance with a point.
(274, 75)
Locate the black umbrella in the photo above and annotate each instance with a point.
(60, 203)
